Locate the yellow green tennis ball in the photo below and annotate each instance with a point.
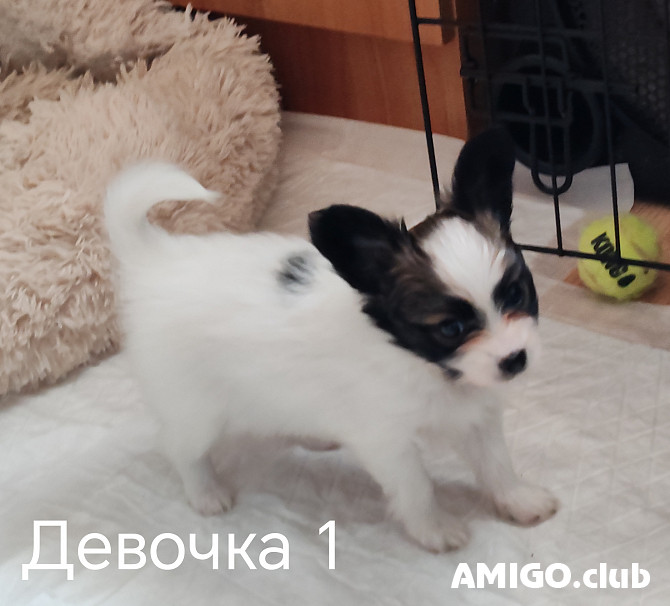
(615, 278)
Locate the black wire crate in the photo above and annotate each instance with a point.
(577, 84)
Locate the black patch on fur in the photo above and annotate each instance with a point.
(296, 272)
(360, 244)
(452, 373)
(482, 180)
(516, 290)
(417, 323)
(386, 263)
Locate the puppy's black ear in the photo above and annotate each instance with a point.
(482, 181)
(359, 244)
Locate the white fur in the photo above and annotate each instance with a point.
(221, 347)
(471, 265)
(465, 259)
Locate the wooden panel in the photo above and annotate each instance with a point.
(361, 77)
(381, 18)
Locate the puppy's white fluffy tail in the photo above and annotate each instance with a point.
(134, 191)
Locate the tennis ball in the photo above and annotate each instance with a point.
(616, 278)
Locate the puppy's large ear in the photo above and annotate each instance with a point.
(482, 181)
(359, 244)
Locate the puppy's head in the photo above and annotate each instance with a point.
(454, 289)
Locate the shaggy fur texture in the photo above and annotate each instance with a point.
(373, 336)
(116, 81)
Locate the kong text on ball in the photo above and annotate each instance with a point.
(614, 277)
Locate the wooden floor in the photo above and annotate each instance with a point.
(657, 215)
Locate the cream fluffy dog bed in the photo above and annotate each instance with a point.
(87, 86)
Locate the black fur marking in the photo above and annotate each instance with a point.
(360, 244)
(296, 272)
(452, 373)
(416, 323)
(387, 264)
(482, 181)
(516, 291)
(404, 296)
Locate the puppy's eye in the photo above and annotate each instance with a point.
(452, 329)
(514, 297)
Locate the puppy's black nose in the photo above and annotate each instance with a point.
(514, 363)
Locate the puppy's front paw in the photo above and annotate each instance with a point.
(526, 504)
(211, 500)
(438, 531)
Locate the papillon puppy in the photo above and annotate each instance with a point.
(373, 336)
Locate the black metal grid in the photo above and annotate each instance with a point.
(484, 38)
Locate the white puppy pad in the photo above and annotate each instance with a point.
(591, 422)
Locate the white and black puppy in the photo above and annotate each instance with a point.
(374, 337)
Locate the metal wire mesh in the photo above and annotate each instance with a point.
(578, 83)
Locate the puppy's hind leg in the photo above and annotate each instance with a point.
(190, 456)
